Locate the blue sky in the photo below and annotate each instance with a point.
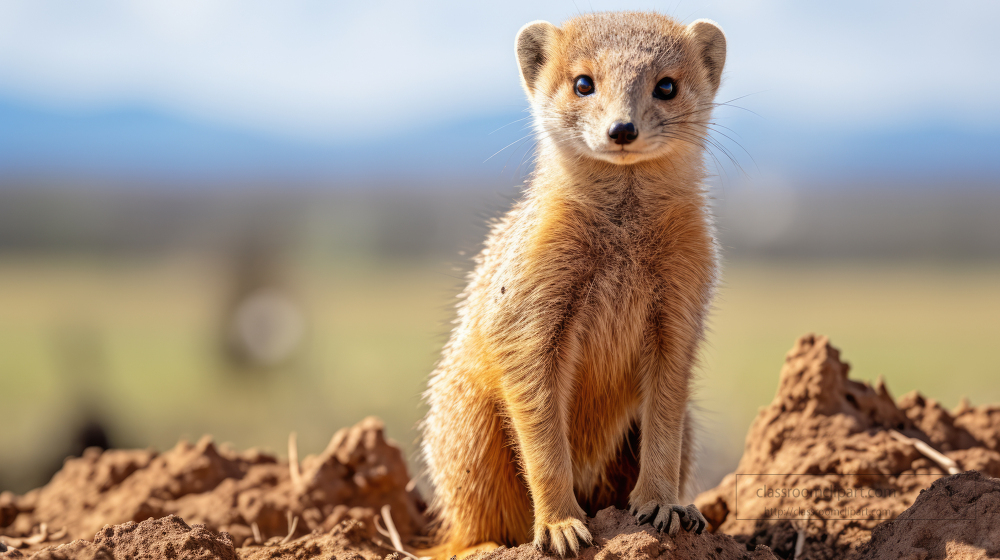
(333, 89)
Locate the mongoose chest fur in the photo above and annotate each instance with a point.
(564, 386)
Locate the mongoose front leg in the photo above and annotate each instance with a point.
(537, 409)
(656, 496)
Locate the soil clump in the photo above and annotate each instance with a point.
(617, 536)
(249, 496)
(956, 518)
(827, 461)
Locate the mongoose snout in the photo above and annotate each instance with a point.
(623, 133)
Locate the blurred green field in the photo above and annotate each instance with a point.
(137, 346)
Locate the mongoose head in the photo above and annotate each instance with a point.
(622, 87)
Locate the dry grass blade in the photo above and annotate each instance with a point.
(800, 526)
(256, 533)
(397, 542)
(40, 537)
(293, 462)
(949, 465)
(393, 535)
(37, 538)
(293, 522)
(382, 530)
(800, 542)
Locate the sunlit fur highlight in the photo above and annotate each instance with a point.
(565, 382)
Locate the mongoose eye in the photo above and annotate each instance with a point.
(665, 89)
(584, 86)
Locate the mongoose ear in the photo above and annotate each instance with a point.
(532, 45)
(711, 45)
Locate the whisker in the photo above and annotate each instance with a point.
(526, 152)
(740, 108)
(507, 146)
(512, 122)
(514, 151)
(728, 153)
(749, 155)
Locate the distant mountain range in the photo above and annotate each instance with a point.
(149, 146)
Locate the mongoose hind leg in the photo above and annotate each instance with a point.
(467, 444)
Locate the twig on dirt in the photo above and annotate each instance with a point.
(256, 533)
(38, 538)
(393, 535)
(41, 536)
(381, 530)
(800, 526)
(949, 465)
(293, 461)
(800, 541)
(292, 524)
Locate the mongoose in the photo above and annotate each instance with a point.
(564, 386)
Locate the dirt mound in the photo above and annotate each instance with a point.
(351, 540)
(357, 474)
(169, 537)
(617, 536)
(832, 468)
(826, 461)
(964, 507)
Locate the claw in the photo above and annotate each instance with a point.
(646, 518)
(688, 522)
(647, 512)
(573, 542)
(699, 520)
(558, 543)
(670, 519)
(562, 539)
(674, 525)
(541, 539)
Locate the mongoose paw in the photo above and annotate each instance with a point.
(670, 518)
(562, 538)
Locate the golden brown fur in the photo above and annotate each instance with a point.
(566, 380)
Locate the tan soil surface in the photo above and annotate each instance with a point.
(357, 474)
(830, 436)
(823, 435)
(963, 509)
(618, 537)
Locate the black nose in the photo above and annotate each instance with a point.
(623, 133)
